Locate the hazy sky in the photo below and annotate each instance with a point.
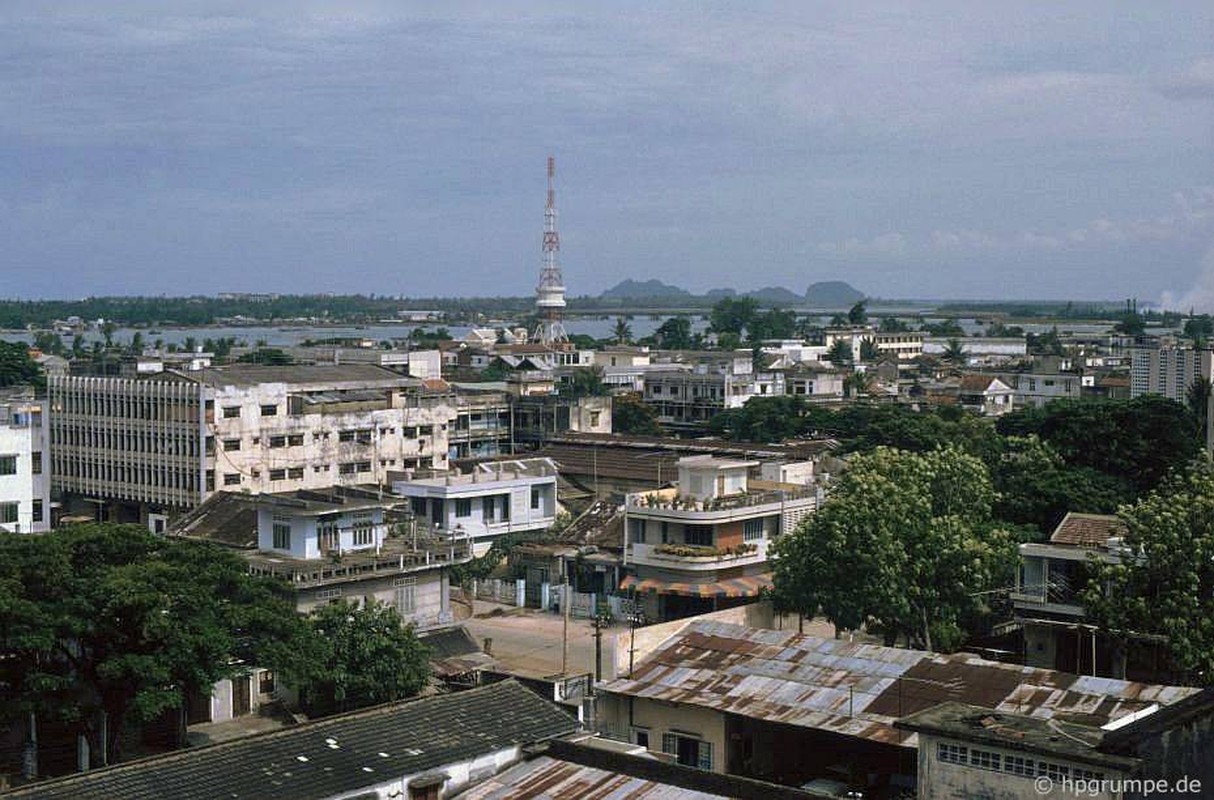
(998, 150)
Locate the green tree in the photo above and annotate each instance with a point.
(778, 323)
(868, 350)
(631, 416)
(674, 334)
(1199, 328)
(893, 325)
(955, 354)
(857, 384)
(762, 419)
(266, 356)
(905, 546)
(1197, 398)
(49, 342)
(733, 315)
(105, 625)
(840, 353)
(584, 382)
(1036, 487)
(622, 331)
(1136, 440)
(1131, 324)
(16, 366)
(858, 314)
(357, 657)
(1163, 585)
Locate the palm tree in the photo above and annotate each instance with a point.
(857, 384)
(622, 331)
(955, 354)
(868, 349)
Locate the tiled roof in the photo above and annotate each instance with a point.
(333, 757)
(1087, 530)
(860, 689)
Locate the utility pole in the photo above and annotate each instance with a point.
(598, 648)
(566, 602)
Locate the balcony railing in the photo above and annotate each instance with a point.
(694, 557)
(396, 555)
(669, 502)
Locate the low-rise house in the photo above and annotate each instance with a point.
(1048, 605)
(969, 751)
(985, 394)
(494, 499)
(416, 750)
(790, 708)
(704, 544)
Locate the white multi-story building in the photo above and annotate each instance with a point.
(494, 499)
(705, 544)
(1168, 368)
(145, 448)
(25, 487)
(691, 391)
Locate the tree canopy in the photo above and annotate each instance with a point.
(632, 416)
(356, 657)
(1163, 585)
(107, 622)
(905, 545)
(16, 366)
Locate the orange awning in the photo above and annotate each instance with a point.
(748, 586)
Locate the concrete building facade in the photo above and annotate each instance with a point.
(25, 470)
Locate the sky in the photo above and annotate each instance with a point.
(1031, 150)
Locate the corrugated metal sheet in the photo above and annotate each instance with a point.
(548, 779)
(860, 689)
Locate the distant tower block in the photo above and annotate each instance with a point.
(550, 293)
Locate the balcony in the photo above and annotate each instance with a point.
(670, 505)
(1058, 598)
(697, 558)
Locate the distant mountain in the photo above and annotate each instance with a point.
(777, 295)
(632, 290)
(832, 294)
(717, 294)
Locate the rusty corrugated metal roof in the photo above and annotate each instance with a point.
(860, 689)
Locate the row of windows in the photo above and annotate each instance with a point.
(1010, 764)
(365, 436)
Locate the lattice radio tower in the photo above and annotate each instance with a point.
(550, 293)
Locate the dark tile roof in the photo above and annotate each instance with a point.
(1087, 530)
(332, 757)
(304, 374)
(226, 518)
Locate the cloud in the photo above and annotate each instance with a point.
(886, 245)
(1196, 81)
(1201, 297)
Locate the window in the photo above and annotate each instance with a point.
(1018, 765)
(406, 601)
(985, 759)
(640, 736)
(231, 412)
(346, 468)
(752, 529)
(282, 535)
(363, 437)
(489, 509)
(463, 508)
(689, 751)
(278, 474)
(698, 535)
(295, 473)
(8, 512)
(231, 444)
(269, 410)
(36, 462)
(1055, 772)
(345, 436)
(231, 479)
(364, 529)
(295, 440)
(952, 753)
(637, 531)
(265, 684)
(37, 511)
(536, 497)
(278, 441)
(8, 465)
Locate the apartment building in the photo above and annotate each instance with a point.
(144, 448)
(904, 345)
(694, 387)
(25, 487)
(1167, 367)
(705, 544)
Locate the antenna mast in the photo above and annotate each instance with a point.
(550, 293)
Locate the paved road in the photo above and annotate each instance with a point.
(528, 642)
